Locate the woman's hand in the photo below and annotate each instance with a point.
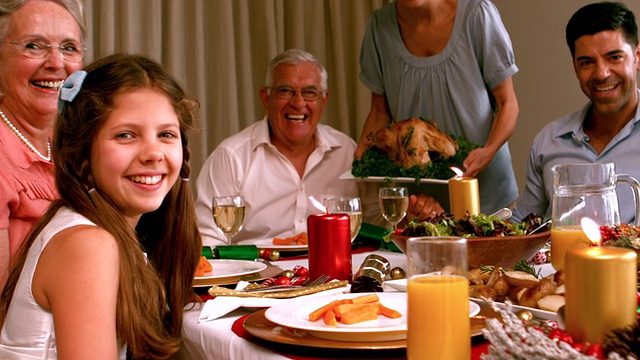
(476, 161)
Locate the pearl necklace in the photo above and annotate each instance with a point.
(24, 139)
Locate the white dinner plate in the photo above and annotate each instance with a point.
(294, 314)
(348, 176)
(398, 284)
(226, 268)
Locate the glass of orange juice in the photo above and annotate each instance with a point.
(563, 239)
(438, 299)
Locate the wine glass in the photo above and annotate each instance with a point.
(394, 202)
(347, 205)
(228, 214)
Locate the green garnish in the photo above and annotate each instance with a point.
(523, 265)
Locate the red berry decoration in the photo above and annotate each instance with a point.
(566, 338)
(282, 280)
(300, 270)
(578, 346)
(299, 280)
(555, 334)
(539, 258)
(594, 350)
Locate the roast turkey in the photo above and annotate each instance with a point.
(414, 142)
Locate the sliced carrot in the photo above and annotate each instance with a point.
(281, 241)
(365, 299)
(318, 313)
(360, 313)
(390, 313)
(303, 239)
(204, 266)
(342, 308)
(330, 318)
(298, 239)
(354, 310)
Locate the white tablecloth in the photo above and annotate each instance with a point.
(215, 339)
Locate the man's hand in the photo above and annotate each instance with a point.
(422, 206)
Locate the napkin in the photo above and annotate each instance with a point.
(226, 300)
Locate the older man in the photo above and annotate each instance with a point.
(603, 40)
(278, 163)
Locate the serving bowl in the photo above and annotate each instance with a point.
(502, 251)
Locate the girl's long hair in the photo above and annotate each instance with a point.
(151, 295)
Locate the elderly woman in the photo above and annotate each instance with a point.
(41, 43)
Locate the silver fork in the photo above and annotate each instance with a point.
(318, 281)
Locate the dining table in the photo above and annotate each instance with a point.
(226, 338)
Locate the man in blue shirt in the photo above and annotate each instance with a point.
(603, 40)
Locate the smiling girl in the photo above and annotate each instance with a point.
(109, 268)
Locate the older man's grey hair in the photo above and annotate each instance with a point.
(295, 57)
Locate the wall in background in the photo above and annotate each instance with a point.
(546, 84)
(219, 49)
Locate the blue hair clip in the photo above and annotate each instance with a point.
(70, 88)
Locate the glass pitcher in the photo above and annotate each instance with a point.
(584, 190)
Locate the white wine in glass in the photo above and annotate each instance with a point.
(394, 202)
(347, 205)
(228, 214)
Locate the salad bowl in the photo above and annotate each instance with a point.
(499, 250)
(502, 251)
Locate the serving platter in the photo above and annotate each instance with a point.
(259, 326)
(295, 314)
(401, 285)
(348, 176)
(540, 314)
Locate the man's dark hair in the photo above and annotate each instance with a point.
(602, 16)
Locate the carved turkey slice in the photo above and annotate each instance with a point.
(410, 142)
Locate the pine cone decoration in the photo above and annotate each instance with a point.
(625, 342)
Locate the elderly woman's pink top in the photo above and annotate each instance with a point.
(27, 187)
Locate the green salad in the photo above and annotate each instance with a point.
(471, 226)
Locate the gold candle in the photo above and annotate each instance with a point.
(600, 291)
(464, 196)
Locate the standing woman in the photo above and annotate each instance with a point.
(41, 43)
(108, 269)
(450, 61)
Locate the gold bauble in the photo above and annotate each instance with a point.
(397, 273)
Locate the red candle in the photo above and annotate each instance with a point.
(329, 246)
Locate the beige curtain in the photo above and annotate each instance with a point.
(219, 50)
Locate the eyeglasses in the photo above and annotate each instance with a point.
(287, 93)
(71, 51)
